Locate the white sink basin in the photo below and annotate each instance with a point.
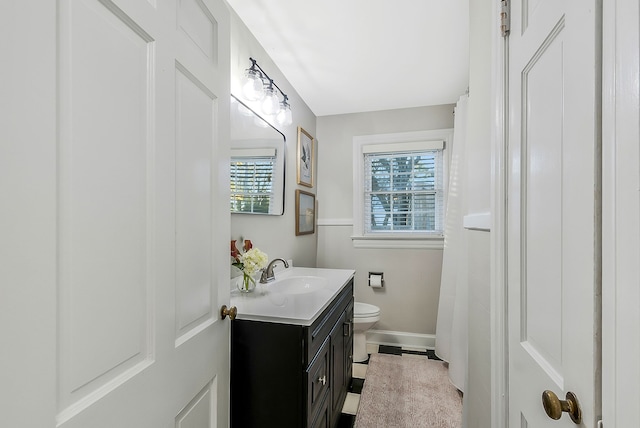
(298, 285)
(297, 296)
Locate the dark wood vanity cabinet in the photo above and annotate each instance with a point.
(289, 375)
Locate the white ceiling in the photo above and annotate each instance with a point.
(346, 56)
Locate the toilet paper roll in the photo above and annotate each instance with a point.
(375, 281)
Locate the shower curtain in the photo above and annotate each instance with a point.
(451, 327)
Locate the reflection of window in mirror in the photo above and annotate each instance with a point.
(254, 180)
(257, 163)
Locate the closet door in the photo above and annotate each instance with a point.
(115, 221)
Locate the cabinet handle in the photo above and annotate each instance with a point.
(323, 380)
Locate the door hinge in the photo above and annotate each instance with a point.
(505, 19)
(600, 424)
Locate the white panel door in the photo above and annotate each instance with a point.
(115, 233)
(553, 209)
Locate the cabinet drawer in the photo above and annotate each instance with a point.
(318, 381)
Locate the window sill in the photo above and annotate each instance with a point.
(398, 242)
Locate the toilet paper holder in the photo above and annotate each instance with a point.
(380, 274)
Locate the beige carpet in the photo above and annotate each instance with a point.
(405, 392)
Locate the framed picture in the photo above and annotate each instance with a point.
(305, 213)
(305, 162)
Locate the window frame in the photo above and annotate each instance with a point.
(395, 239)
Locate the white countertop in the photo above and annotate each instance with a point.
(267, 304)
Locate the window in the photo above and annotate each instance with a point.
(399, 189)
(403, 191)
(252, 180)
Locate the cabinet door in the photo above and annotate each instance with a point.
(338, 369)
(323, 418)
(318, 381)
(348, 346)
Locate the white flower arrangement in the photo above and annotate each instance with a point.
(252, 261)
(249, 263)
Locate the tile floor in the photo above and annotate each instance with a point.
(348, 416)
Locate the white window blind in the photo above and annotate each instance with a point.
(252, 180)
(403, 189)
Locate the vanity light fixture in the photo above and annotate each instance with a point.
(258, 86)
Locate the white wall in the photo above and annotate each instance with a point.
(409, 302)
(477, 399)
(274, 235)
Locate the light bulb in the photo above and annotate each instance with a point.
(284, 114)
(270, 103)
(252, 86)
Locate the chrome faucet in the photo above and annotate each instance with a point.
(267, 273)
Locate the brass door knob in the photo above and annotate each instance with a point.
(554, 407)
(232, 312)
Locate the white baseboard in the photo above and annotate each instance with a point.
(399, 338)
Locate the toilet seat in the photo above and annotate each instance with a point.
(365, 310)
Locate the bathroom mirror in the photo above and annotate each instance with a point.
(257, 163)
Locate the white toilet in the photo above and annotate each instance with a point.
(364, 317)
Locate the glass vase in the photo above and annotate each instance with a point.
(246, 284)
